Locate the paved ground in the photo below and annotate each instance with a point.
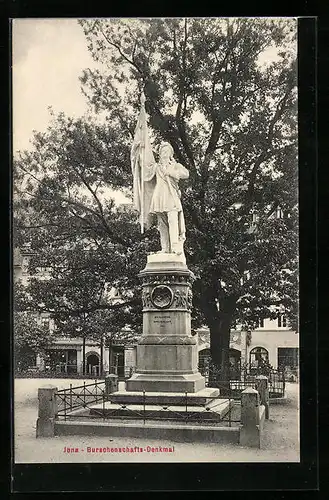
(280, 442)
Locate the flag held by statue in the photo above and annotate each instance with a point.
(143, 168)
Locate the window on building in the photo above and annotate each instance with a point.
(93, 363)
(61, 361)
(288, 357)
(282, 321)
(257, 356)
(261, 323)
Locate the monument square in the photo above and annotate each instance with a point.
(167, 353)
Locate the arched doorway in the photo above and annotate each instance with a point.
(258, 359)
(92, 362)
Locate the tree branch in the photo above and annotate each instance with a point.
(96, 307)
(19, 165)
(129, 61)
(113, 236)
(265, 155)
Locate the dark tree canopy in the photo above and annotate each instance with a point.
(31, 339)
(231, 118)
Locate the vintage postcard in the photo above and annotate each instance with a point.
(155, 240)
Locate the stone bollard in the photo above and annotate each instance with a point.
(250, 430)
(262, 388)
(47, 411)
(111, 383)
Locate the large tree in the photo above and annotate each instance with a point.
(30, 339)
(230, 116)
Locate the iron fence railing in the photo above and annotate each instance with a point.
(79, 403)
(276, 382)
(79, 397)
(233, 387)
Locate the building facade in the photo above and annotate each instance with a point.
(65, 355)
(273, 342)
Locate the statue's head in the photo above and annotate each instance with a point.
(166, 150)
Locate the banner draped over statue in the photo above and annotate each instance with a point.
(143, 168)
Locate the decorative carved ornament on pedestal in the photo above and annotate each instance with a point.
(164, 297)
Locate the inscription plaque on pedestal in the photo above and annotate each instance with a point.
(167, 353)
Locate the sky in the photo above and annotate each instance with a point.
(48, 58)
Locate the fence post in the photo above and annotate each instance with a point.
(47, 411)
(70, 397)
(111, 383)
(262, 387)
(250, 429)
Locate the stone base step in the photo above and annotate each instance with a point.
(159, 431)
(215, 411)
(166, 398)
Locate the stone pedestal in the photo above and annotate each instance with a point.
(252, 418)
(167, 353)
(47, 411)
(111, 383)
(262, 388)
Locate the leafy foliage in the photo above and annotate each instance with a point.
(31, 339)
(230, 116)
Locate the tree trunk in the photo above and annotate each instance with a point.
(215, 342)
(220, 346)
(220, 330)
